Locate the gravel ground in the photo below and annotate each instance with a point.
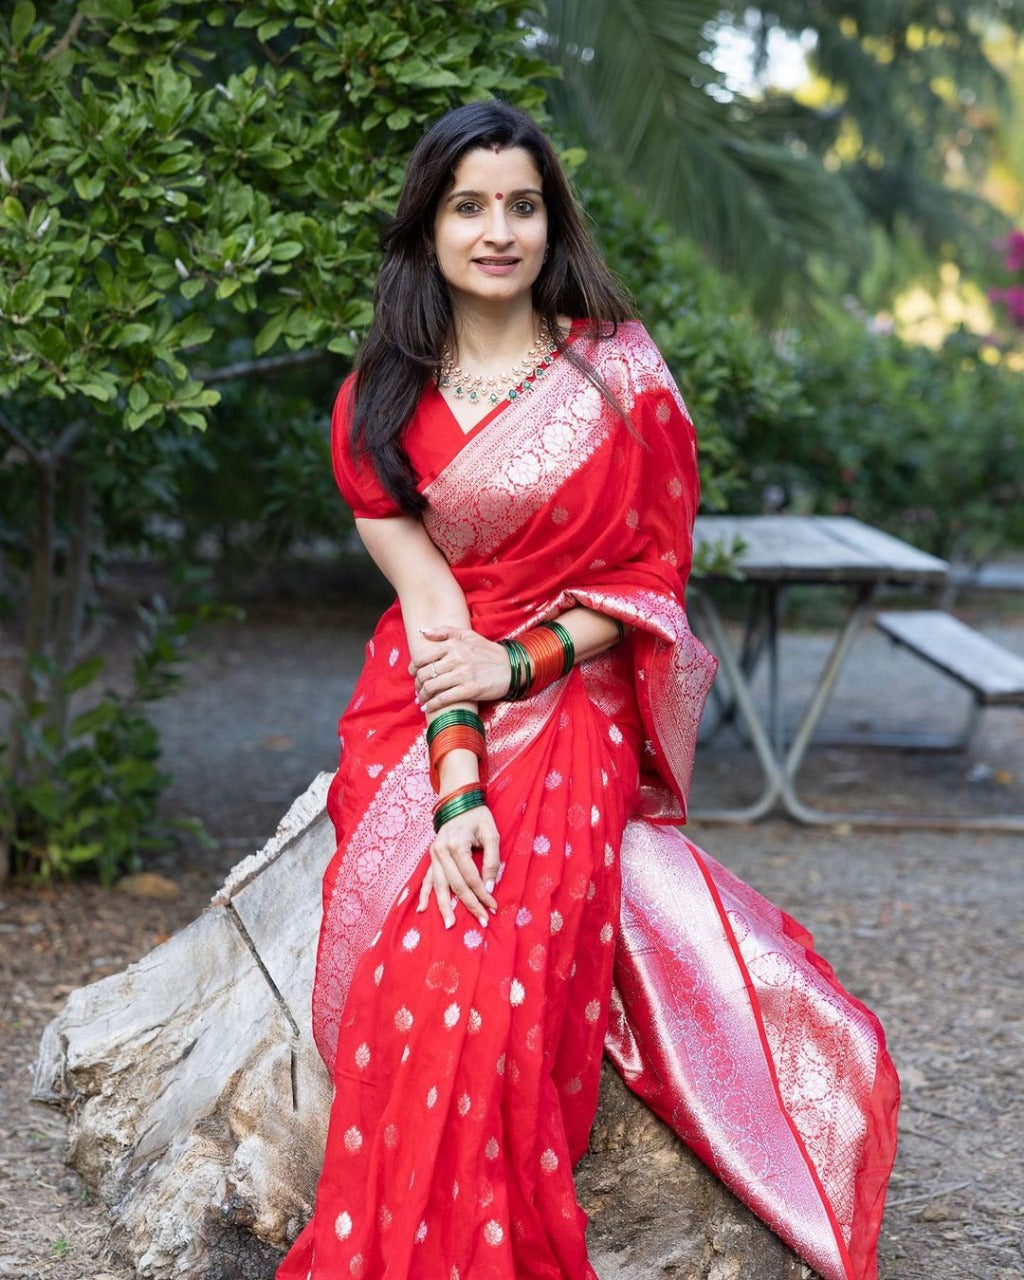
(924, 926)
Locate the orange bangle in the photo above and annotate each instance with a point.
(453, 738)
(454, 795)
(547, 657)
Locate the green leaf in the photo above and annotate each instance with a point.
(93, 720)
(84, 673)
(272, 27)
(138, 396)
(95, 390)
(22, 21)
(88, 187)
(270, 333)
(131, 334)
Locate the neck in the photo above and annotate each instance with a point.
(489, 339)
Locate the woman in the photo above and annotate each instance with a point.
(522, 469)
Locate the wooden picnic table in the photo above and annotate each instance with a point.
(777, 552)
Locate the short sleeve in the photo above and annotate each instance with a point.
(357, 480)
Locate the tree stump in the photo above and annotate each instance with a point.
(197, 1103)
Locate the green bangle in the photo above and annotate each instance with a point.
(520, 669)
(568, 648)
(457, 715)
(461, 804)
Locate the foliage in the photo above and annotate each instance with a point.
(781, 187)
(89, 799)
(928, 443)
(184, 188)
(911, 95)
(640, 90)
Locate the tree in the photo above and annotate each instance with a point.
(184, 187)
(912, 94)
(768, 181)
(640, 89)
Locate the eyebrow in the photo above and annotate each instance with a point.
(479, 195)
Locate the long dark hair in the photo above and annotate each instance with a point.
(412, 307)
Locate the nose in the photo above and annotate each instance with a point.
(499, 230)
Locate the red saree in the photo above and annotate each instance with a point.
(466, 1062)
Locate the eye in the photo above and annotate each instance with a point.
(524, 207)
(467, 207)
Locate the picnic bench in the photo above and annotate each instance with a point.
(993, 675)
(776, 552)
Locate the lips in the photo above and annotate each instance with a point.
(496, 262)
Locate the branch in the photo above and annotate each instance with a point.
(260, 368)
(12, 432)
(65, 41)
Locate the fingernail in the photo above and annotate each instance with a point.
(449, 923)
(489, 886)
(483, 922)
(420, 908)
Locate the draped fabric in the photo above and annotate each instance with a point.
(466, 1061)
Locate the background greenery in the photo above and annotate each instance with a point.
(190, 199)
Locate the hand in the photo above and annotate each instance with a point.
(459, 666)
(453, 870)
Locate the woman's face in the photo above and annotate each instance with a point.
(491, 227)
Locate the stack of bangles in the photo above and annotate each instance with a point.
(458, 729)
(538, 658)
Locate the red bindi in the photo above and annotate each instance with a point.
(498, 195)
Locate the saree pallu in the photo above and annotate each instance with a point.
(466, 1061)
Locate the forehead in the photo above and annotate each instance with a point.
(485, 170)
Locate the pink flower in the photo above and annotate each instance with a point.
(1014, 299)
(1013, 246)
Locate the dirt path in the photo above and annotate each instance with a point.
(925, 928)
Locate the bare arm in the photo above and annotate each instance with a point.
(461, 663)
(430, 597)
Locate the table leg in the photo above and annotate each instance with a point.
(779, 773)
(771, 766)
(775, 711)
(791, 802)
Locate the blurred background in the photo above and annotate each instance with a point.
(818, 208)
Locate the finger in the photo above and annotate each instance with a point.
(425, 888)
(442, 895)
(475, 884)
(457, 884)
(438, 633)
(425, 663)
(490, 861)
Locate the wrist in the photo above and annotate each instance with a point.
(457, 769)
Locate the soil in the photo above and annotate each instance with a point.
(923, 926)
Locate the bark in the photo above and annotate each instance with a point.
(36, 628)
(197, 1104)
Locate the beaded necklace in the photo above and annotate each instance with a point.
(492, 389)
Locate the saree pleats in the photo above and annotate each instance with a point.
(468, 1060)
